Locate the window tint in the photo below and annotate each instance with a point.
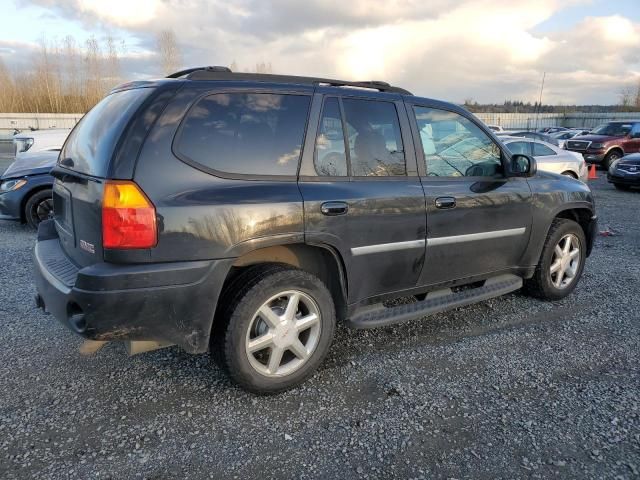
(540, 150)
(91, 144)
(454, 146)
(331, 159)
(246, 133)
(520, 147)
(375, 144)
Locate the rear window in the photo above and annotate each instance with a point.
(245, 133)
(90, 145)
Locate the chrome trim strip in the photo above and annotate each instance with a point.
(386, 247)
(472, 237)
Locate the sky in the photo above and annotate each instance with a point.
(485, 50)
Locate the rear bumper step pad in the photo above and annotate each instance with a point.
(435, 302)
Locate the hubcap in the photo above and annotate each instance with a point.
(283, 333)
(565, 261)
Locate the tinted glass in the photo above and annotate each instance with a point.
(375, 144)
(91, 144)
(246, 133)
(540, 150)
(520, 147)
(331, 159)
(613, 129)
(454, 146)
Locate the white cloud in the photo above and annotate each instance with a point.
(451, 49)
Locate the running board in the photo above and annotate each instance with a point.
(435, 302)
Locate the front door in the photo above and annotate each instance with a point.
(362, 194)
(478, 220)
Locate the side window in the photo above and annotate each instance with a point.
(246, 133)
(540, 150)
(635, 130)
(520, 147)
(454, 146)
(330, 157)
(375, 144)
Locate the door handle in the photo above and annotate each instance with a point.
(445, 202)
(334, 208)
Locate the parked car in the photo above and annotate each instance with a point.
(608, 142)
(496, 128)
(204, 216)
(565, 135)
(550, 158)
(34, 141)
(25, 188)
(625, 172)
(550, 130)
(535, 135)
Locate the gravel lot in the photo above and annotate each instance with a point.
(509, 388)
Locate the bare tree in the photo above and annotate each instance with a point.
(170, 56)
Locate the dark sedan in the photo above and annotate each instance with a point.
(25, 188)
(625, 173)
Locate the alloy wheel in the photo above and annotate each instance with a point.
(565, 262)
(283, 333)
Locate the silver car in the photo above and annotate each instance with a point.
(549, 158)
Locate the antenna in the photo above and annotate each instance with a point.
(544, 74)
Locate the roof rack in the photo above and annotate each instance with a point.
(224, 73)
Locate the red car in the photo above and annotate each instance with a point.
(608, 142)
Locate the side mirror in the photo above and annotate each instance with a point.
(521, 165)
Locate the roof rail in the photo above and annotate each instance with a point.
(215, 68)
(223, 73)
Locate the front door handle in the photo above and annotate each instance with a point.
(334, 208)
(445, 202)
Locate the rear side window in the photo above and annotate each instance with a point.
(330, 157)
(540, 150)
(245, 133)
(91, 144)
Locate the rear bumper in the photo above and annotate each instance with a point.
(169, 302)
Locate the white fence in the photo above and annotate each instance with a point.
(530, 121)
(25, 121)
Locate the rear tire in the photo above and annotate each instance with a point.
(276, 328)
(561, 262)
(38, 207)
(621, 186)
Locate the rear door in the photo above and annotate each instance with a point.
(478, 220)
(82, 167)
(361, 191)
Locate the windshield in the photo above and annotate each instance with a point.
(613, 129)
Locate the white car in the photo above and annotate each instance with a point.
(496, 128)
(565, 135)
(549, 158)
(34, 141)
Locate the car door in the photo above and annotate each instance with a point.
(361, 192)
(633, 143)
(478, 219)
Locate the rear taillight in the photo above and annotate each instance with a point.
(128, 217)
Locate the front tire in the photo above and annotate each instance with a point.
(38, 207)
(561, 262)
(277, 328)
(610, 158)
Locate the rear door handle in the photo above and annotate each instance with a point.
(445, 202)
(334, 208)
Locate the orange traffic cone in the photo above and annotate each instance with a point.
(592, 172)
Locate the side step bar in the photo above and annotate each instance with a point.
(435, 302)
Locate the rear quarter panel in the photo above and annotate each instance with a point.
(202, 216)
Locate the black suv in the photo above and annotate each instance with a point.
(248, 213)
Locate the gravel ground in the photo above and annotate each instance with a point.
(509, 388)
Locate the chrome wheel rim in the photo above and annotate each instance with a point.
(565, 262)
(283, 334)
